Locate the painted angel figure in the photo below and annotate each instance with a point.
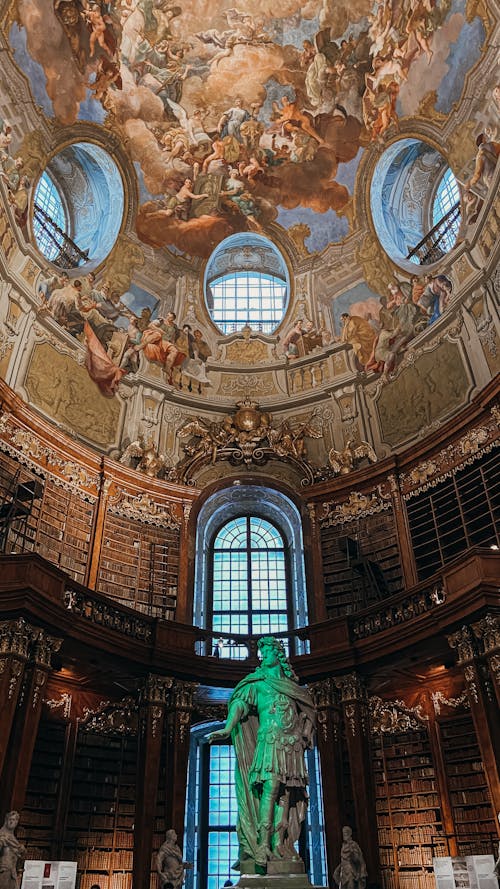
(344, 461)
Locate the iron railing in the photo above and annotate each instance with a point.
(439, 240)
(69, 254)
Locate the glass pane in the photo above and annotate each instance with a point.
(48, 203)
(239, 298)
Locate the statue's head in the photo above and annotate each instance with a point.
(273, 652)
(171, 835)
(346, 833)
(11, 820)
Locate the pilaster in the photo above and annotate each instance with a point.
(26, 718)
(356, 715)
(15, 638)
(483, 705)
(153, 700)
(179, 711)
(329, 741)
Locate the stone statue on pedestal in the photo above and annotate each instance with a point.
(12, 852)
(271, 722)
(169, 863)
(351, 872)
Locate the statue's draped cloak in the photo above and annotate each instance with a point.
(263, 752)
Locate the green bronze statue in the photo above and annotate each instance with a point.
(271, 721)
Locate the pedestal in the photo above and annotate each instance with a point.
(280, 875)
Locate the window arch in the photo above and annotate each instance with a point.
(249, 570)
(246, 283)
(415, 203)
(48, 202)
(248, 579)
(79, 206)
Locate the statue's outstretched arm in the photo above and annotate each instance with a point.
(236, 712)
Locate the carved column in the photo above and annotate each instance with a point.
(154, 696)
(357, 726)
(487, 630)
(403, 533)
(330, 754)
(180, 708)
(183, 611)
(483, 706)
(15, 637)
(100, 507)
(313, 553)
(26, 720)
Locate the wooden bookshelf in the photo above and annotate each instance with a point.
(139, 565)
(351, 555)
(99, 833)
(409, 823)
(65, 529)
(37, 821)
(459, 512)
(12, 474)
(473, 814)
(160, 823)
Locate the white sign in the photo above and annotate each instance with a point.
(469, 872)
(49, 875)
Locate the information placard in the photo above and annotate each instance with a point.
(468, 872)
(49, 875)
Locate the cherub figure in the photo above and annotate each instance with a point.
(95, 20)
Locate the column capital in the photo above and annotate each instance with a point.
(352, 688)
(156, 689)
(324, 693)
(311, 509)
(44, 647)
(463, 642)
(16, 636)
(488, 629)
(182, 695)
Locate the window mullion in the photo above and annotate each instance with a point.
(249, 579)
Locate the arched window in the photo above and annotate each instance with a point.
(446, 198)
(250, 574)
(415, 203)
(246, 283)
(211, 842)
(249, 594)
(78, 207)
(251, 298)
(49, 202)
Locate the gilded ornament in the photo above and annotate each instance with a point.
(298, 233)
(355, 507)
(344, 461)
(394, 716)
(143, 456)
(120, 718)
(378, 270)
(461, 145)
(143, 508)
(246, 436)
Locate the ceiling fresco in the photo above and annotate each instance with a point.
(242, 119)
